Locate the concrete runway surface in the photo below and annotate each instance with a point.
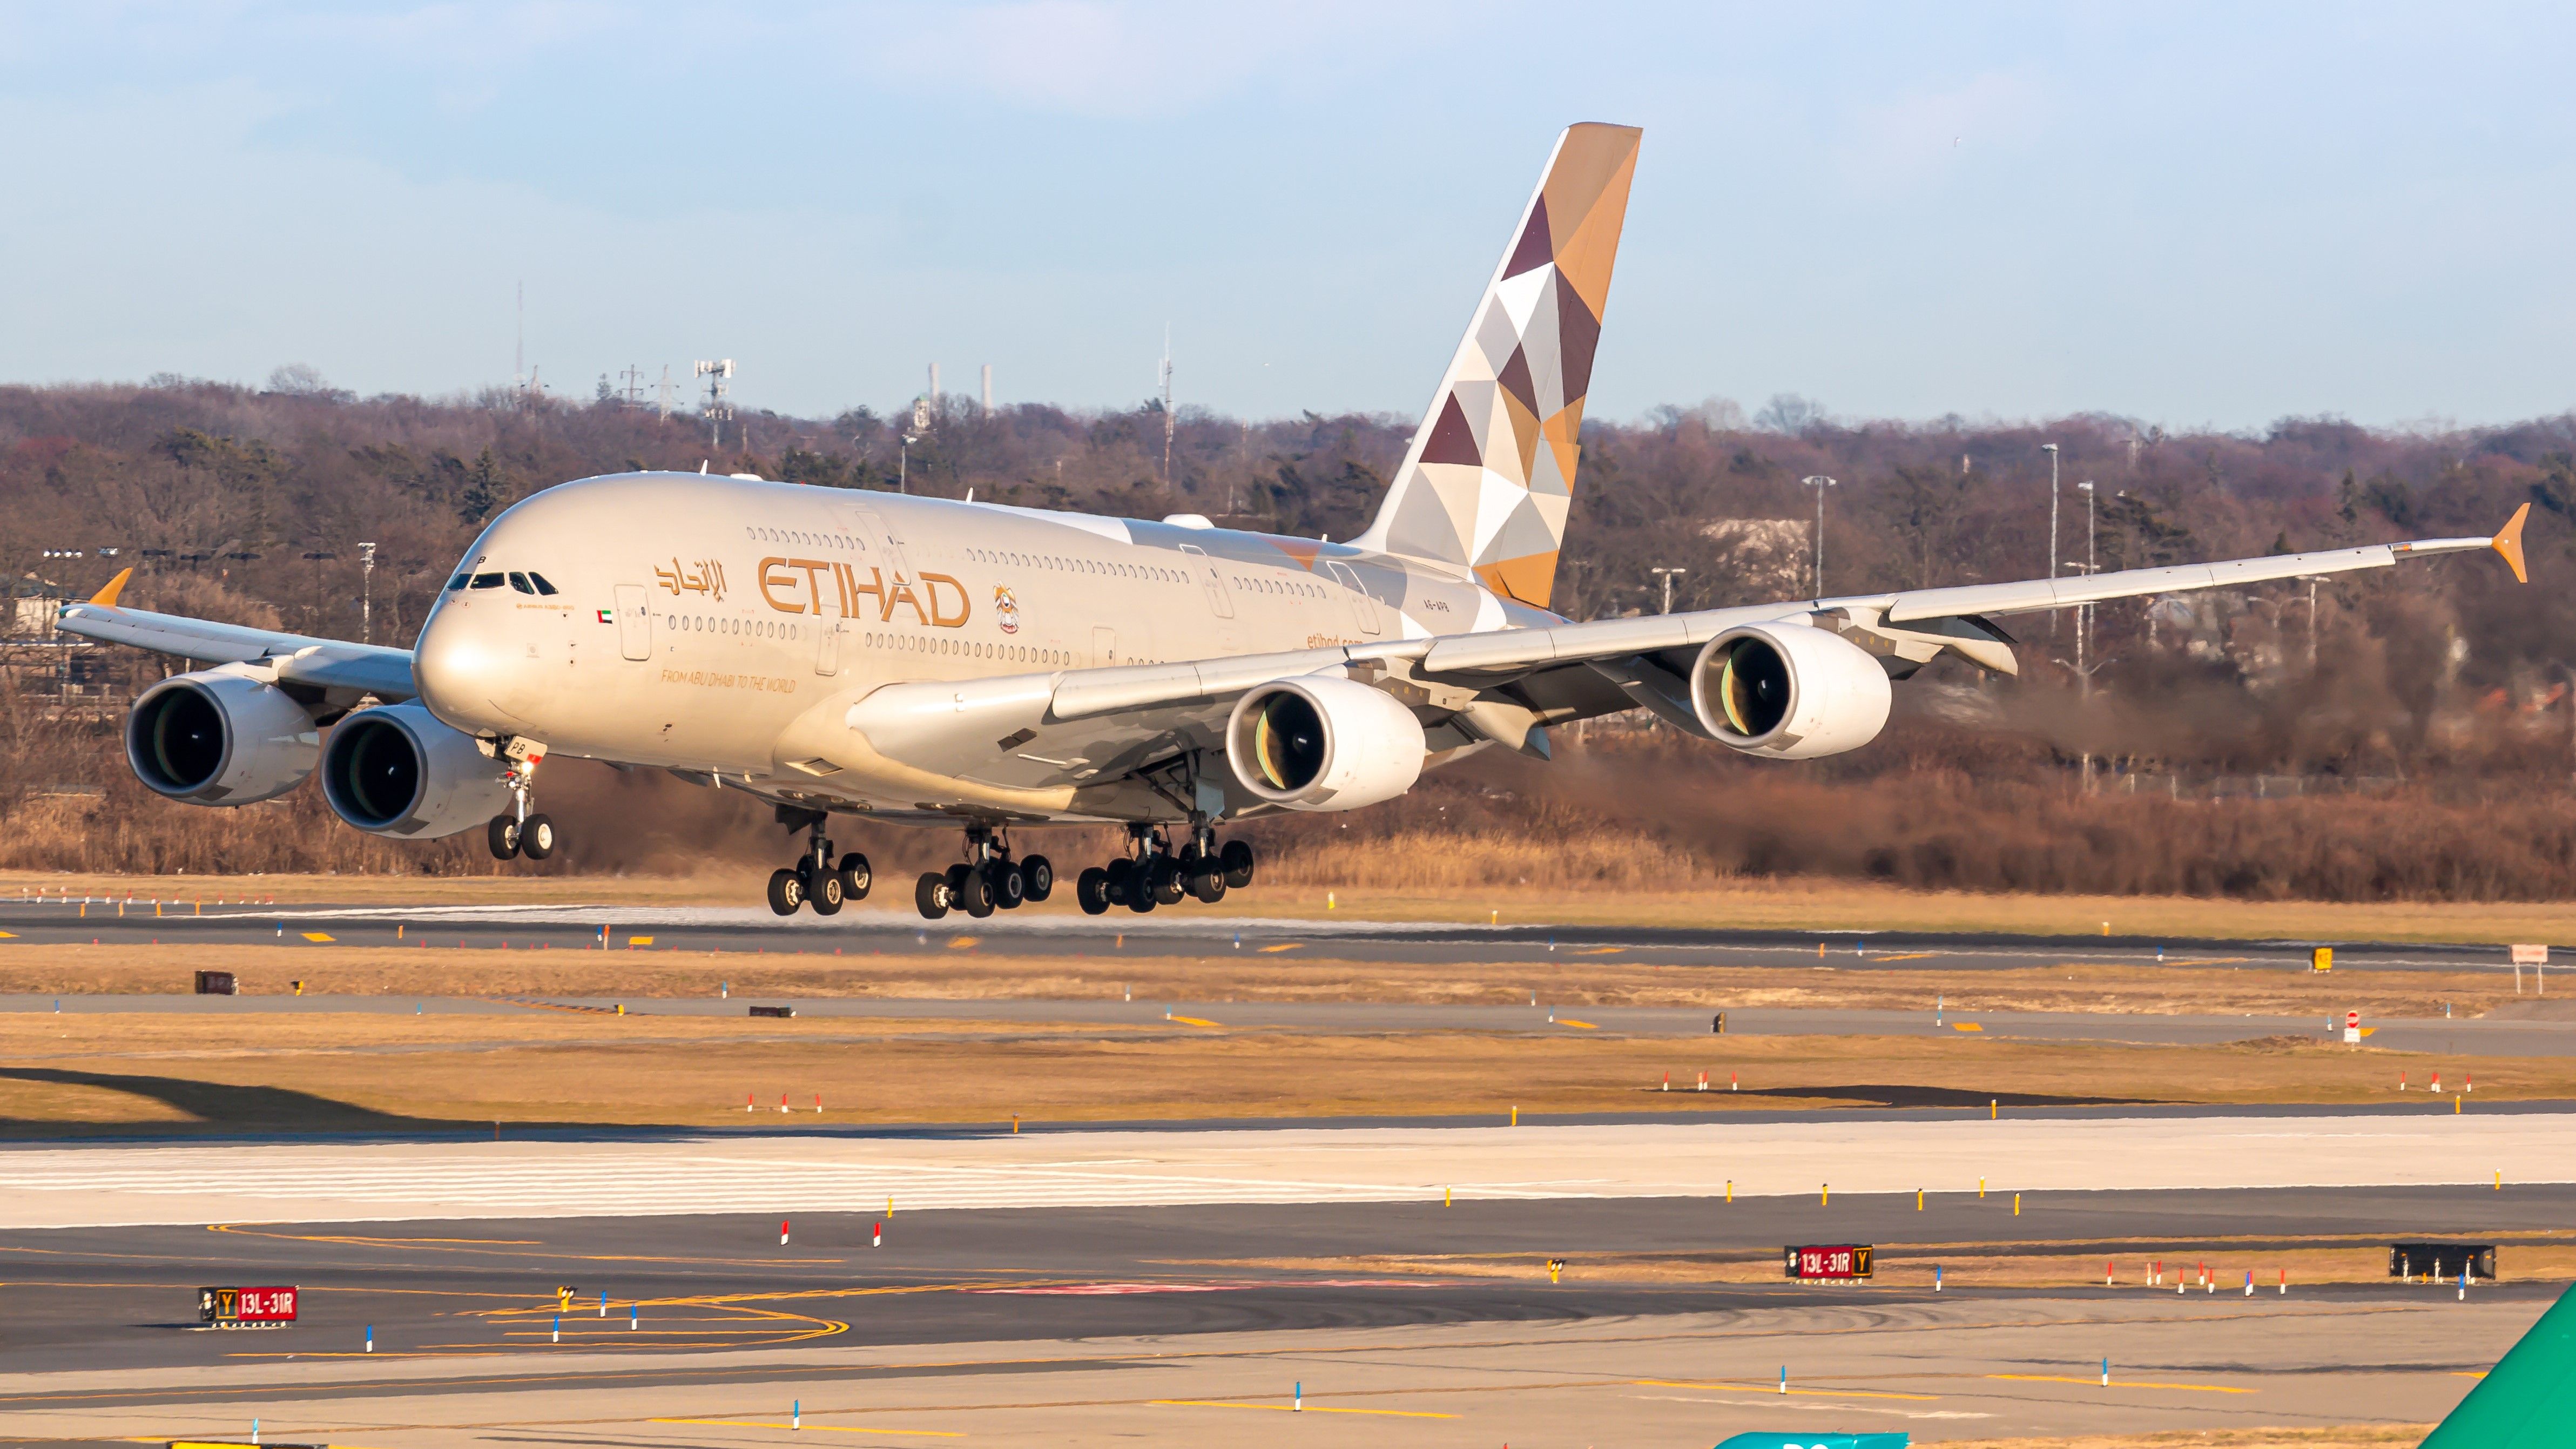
(1186, 930)
(1083, 1325)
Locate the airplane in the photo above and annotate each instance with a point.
(836, 652)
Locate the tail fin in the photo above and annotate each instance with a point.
(1490, 475)
(2522, 1402)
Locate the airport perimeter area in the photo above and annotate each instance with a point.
(1502, 1228)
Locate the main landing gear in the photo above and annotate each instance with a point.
(987, 880)
(517, 832)
(1152, 874)
(816, 880)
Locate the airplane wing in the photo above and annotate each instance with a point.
(325, 664)
(1070, 726)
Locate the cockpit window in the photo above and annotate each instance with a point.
(540, 581)
(457, 582)
(520, 582)
(487, 581)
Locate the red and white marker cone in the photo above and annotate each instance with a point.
(876, 1238)
(1703, 1081)
(782, 1232)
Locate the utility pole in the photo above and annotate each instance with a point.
(1167, 404)
(366, 593)
(1820, 483)
(2051, 450)
(1667, 575)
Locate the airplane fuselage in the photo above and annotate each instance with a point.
(721, 626)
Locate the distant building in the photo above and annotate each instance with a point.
(33, 605)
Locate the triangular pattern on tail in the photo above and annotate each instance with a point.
(1490, 475)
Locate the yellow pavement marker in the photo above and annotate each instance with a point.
(964, 943)
(1602, 951)
(316, 936)
(1308, 1409)
(1193, 1021)
(1570, 1021)
(1282, 946)
(1967, 1026)
(1906, 956)
(2121, 1383)
(639, 940)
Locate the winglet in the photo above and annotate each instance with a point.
(106, 597)
(2508, 542)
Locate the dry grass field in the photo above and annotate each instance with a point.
(1787, 904)
(366, 1071)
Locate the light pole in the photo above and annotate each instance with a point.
(366, 593)
(1668, 575)
(2051, 450)
(1820, 483)
(903, 465)
(2092, 560)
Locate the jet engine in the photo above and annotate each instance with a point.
(1789, 691)
(220, 737)
(398, 771)
(1323, 743)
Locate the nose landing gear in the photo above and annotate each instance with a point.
(987, 880)
(518, 832)
(816, 880)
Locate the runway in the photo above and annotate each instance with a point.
(1182, 931)
(680, 1173)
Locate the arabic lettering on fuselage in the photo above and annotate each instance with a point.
(708, 577)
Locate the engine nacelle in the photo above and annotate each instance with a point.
(398, 771)
(1322, 743)
(220, 737)
(1789, 691)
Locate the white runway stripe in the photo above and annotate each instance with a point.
(147, 1183)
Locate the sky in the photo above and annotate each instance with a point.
(2192, 215)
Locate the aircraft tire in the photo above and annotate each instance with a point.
(503, 836)
(973, 892)
(1114, 878)
(930, 895)
(786, 892)
(537, 837)
(1237, 857)
(855, 876)
(1002, 881)
(1169, 881)
(1207, 881)
(1091, 890)
(1037, 876)
(823, 893)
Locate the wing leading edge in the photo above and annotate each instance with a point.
(333, 664)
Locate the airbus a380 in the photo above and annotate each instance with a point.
(989, 667)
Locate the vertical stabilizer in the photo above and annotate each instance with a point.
(1490, 474)
(2526, 1400)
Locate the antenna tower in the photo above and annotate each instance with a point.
(715, 408)
(1167, 404)
(634, 391)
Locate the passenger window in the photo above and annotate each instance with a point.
(520, 582)
(457, 582)
(487, 581)
(540, 581)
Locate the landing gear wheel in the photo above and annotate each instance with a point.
(970, 890)
(786, 891)
(536, 837)
(1207, 881)
(1114, 879)
(823, 893)
(1091, 890)
(1037, 877)
(503, 834)
(1002, 880)
(1168, 881)
(930, 895)
(1145, 885)
(855, 877)
(1237, 857)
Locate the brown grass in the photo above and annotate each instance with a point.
(349, 1070)
(941, 972)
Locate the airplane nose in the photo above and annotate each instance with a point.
(455, 664)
